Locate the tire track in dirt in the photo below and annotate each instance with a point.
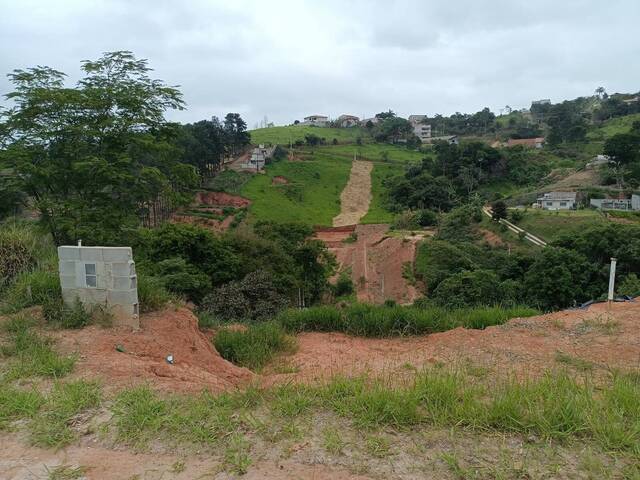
(356, 196)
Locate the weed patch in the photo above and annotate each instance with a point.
(254, 346)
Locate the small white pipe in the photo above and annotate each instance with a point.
(612, 278)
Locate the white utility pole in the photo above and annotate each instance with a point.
(612, 279)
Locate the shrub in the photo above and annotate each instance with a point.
(315, 319)
(255, 297)
(17, 252)
(480, 287)
(60, 315)
(182, 278)
(405, 221)
(426, 218)
(253, 347)
(437, 259)
(152, 294)
(344, 285)
(630, 286)
(516, 215)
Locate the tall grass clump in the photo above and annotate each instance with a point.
(394, 320)
(30, 288)
(152, 294)
(31, 354)
(254, 346)
(22, 248)
(51, 427)
(16, 404)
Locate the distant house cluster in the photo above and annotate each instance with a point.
(316, 120)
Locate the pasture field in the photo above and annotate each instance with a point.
(378, 213)
(550, 225)
(291, 133)
(311, 196)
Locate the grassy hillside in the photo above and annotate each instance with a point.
(312, 195)
(284, 135)
(551, 225)
(377, 212)
(375, 152)
(612, 127)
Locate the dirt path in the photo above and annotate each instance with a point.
(356, 196)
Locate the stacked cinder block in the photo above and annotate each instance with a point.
(101, 276)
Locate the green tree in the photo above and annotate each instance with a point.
(93, 156)
(623, 149)
(499, 210)
(236, 131)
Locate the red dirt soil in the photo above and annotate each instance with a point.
(376, 261)
(221, 199)
(523, 346)
(197, 363)
(279, 180)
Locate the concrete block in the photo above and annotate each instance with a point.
(122, 269)
(67, 268)
(128, 297)
(93, 296)
(91, 254)
(124, 283)
(68, 281)
(69, 296)
(116, 254)
(68, 253)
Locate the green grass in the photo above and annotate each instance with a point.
(284, 135)
(554, 407)
(377, 211)
(312, 195)
(30, 354)
(228, 181)
(549, 225)
(375, 152)
(383, 321)
(51, 427)
(254, 346)
(612, 127)
(16, 403)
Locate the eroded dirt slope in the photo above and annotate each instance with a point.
(356, 196)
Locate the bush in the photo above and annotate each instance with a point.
(152, 294)
(253, 347)
(630, 286)
(437, 260)
(405, 221)
(58, 314)
(255, 297)
(182, 278)
(17, 252)
(480, 287)
(344, 285)
(426, 218)
(314, 319)
(516, 215)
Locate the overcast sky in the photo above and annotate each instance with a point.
(288, 59)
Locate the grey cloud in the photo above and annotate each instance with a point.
(286, 59)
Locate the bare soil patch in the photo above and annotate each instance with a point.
(221, 199)
(356, 196)
(523, 346)
(197, 364)
(279, 180)
(376, 260)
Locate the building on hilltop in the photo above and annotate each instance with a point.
(347, 121)
(316, 120)
(537, 142)
(557, 201)
(597, 161)
(420, 129)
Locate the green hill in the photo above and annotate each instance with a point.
(285, 135)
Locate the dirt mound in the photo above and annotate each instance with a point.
(376, 260)
(279, 180)
(356, 196)
(197, 364)
(221, 199)
(595, 339)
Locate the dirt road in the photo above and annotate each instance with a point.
(356, 196)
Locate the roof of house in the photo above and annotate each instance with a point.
(525, 141)
(558, 196)
(417, 118)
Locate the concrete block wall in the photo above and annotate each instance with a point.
(104, 276)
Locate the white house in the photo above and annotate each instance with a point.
(101, 276)
(316, 120)
(420, 129)
(557, 201)
(258, 158)
(597, 161)
(346, 121)
(632, 203)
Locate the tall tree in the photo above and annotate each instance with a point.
(236, 130)
(93, 155)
